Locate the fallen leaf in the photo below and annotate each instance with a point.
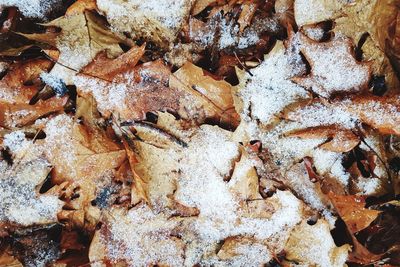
(200, 5)
(381, 113)
(142, 21)
(215, 95)
(248, 11)
(372, 18)
(105, 68)
(130, 95)
(338, 140)
(19, 115)
(141, 185)
(14, 88)
(333, 67)
(351, 209)
(318, 240)
(83, 35)
(80, 6)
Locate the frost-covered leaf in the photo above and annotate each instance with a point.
(333, 67)
(82, 37)
(314, 245)
(156, 21)
(381, 113)
(268, 91)
(21, 203)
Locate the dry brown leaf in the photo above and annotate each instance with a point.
(339, 140)
(12, 115)
(83, 35)
(381, 113)
(333, 67)
(93, 136)
(106, 68)
(247, 14)
(372, 17)
(134, 93)
(80, 6)
(307, 241)
(13, 88)
(356, 217)
(200, 5)
(140, 187)
(215, 95)
(351, 209)
(244, 179)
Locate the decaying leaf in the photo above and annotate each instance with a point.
(105, 68)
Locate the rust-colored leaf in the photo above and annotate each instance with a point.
(106, 68)
(351, 209)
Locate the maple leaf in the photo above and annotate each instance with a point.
(151, 239)
(21, 202)
(356, 217)
(365, 22)
(269, 86)
(83, 35)
(138, 92)
(80, 164)
(333, 67)
(373, 17)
